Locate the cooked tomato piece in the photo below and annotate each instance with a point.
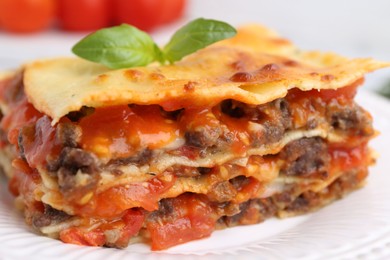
(114, 201)
(133, 220)
(13, 186)
(24, 182)
(77, 236)
(192, 219)
(22, 113)
(249, 189)
(39, 142)
(126, 227)
(349, 158)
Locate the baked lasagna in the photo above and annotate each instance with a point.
(243, 130)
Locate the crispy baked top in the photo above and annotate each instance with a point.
(255, 67)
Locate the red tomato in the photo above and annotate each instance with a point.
(347, 92)
(76, 236)
(84, 15)
(23, 16)
(171, 10)
(23, 113)
(133, 220)
(347, 158)
(193, 219)
(128, 226)
(147, 14)
(115, 200)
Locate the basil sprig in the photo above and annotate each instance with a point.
(385, 90)
(125, 46)
(196, 35)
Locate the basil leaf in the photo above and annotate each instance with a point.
(117, 47)
(196, 35)
(125, 46)
(385, 90)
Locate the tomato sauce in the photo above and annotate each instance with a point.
(77, 236)
(41, 143)
(342, 94)
(193, 218)
(248, 191)
(25, 181)
(120, 131)
(348, 158)
(238, 128)
(114, 201)
(22, 113)
(126, 227)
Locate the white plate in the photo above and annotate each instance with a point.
(355, 227)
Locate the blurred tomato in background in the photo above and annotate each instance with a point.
(25, 16)
(147, 14)
(84, 15)
(172, 11)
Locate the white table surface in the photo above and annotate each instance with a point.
(354, 28)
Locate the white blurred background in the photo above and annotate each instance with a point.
(353, 28)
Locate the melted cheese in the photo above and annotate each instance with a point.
(255, 67)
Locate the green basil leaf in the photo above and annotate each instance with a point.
(117, 47)
(196, 35)
(385, 90)
(125, 46)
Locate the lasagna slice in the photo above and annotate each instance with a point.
(243, 130)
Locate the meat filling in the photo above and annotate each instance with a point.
(257, 210)
(349, 118)
(305, 157)
(78, 171)
(49, 216)
(233, 195)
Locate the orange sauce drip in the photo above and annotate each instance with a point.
(194, 118)
(120, 130)
(248, 191)
(238, 128)
(327, 95)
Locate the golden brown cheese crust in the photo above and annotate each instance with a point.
(255, 67)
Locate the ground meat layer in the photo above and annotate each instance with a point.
(289, 204)
(306, 159)
(230, 127)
